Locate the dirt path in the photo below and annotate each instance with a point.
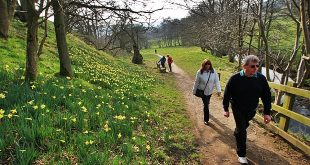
(216, 141)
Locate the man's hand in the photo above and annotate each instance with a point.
(226, 114)
(267, 119)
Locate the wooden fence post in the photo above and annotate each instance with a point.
(287, 104)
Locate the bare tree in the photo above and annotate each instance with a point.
(7, 8)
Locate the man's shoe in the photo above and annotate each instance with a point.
(243, 160)
(206, 123)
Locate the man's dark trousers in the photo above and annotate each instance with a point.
(242, 118)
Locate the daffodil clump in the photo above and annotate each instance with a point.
(102, 105)
(105, 114)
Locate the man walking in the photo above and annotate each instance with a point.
(243, 90)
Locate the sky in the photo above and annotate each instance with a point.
(169, 10)
(172, 11)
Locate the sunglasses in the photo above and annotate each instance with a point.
(253, 66)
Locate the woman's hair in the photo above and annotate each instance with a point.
(250, 58)
(206, 61)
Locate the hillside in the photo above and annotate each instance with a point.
(111, 111)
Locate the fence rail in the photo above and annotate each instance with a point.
(287, 114)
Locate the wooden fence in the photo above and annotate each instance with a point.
(286, 114)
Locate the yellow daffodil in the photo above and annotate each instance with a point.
(119, 135)
(2, 111)
(86, 132)
(98, 106)
(73, 119)
(63, 141)
(13, 111)
(106, 128)
(84, 109)
(30, 102)
(54, 97)
(35, 107)
(2, 95)
(42, 106)
(136, 148)
(28, 118)
(79, 103)
(148, 147)
(98, 113)
(10, 115)
(32, 86)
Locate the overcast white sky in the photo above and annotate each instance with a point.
(170, 10)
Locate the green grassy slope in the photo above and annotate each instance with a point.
(112, 112)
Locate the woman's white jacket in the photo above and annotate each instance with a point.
(201, 80)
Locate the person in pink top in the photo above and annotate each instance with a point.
(170, 61)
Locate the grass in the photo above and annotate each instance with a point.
(111, 112)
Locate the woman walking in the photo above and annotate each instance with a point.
(206, 80)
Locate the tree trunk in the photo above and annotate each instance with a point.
(251, 37)
(263, 36)
(32, 42)
(304, 66)
(305, 18)
(45, 32)
(7, 8)
(65, 64)
(137, 57)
